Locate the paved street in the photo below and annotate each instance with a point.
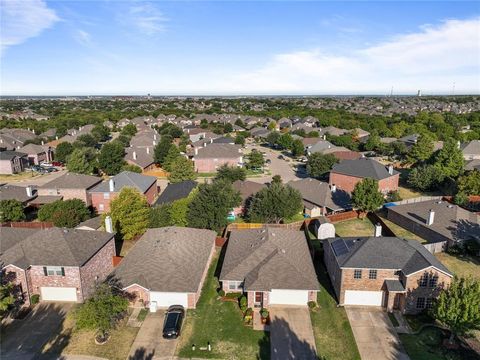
(374, 334)
(291, 333)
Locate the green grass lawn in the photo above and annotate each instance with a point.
(399, 231)
(461, 266)
(221, 324)
(354, 227)
(333, 334)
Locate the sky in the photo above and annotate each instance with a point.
(239, 47)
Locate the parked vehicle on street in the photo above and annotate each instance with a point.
(57, 163)
(173, 321)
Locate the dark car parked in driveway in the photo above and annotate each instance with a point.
(173, 321)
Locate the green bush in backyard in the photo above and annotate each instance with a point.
(264, 313)
(34, 299)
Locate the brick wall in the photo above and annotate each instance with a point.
(139, 293)
(195, 296)
(152, 193)
(98, 199)
(347, 182)
(210, 165)
(18, 277)
(37, 279)
(67, 194)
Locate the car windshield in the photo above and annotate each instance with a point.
(171, 320)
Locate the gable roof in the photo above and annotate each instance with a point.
(50, 247)
(127, 178)
(169, 259)
(269, 258)
(384, 253)
(363, 168)
(10, 155)
(34, 149)
(320, 194)
(13, 192)
(143, 158)
(72, 181)
(220, 151)
(247, 188)
(471, 148)
(176, 191)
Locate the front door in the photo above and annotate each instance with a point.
(396, 301)
(258, 299)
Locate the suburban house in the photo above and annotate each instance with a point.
(58, 264)
(176, 191)
(70, 186)
(437, 221)
(471, 150)
(247, 189)
(195, 134)
(167, 266)
(319, 198)
(389, 272)
(106, 191)
(37, 154)
(141, 157)
(207, 159)
(20, 193)
(95, 223)
(346, 174)
(272, 266)
(326, 147)
(12, 162)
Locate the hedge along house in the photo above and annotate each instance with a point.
(167, 266)
(57, 264)
(272, 266)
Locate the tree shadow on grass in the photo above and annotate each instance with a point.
(142, 354)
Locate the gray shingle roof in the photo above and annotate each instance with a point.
(127, 178)
(363, 168)
(269, 258)
(10, 154)
(386, 253)
(219, 151)
(247, 188)
(143, 158)
(50, 247)
(72, 181)
(471, 148)
(13, 192)
(168, 259)
(176, 192)
(319, 193)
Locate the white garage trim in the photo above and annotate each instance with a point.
(58, 293)
(366, 298)
(288, 297)
(166, 299)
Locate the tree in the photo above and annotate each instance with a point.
(63, 150)
(160, 216)
(470, 184)
(422, 150)
(273, 137)
(211, 204)
(82, 161)
(425, 177)
(124, 140)
(231, 173)
(172, 155)
(178, 212)
(11, 210)
(318, 164)
(277, 179)
(365, 195)
(285, 141)
(255, 160)
(373, 142)
(162, 148)
(102, 310)
(86, 140)
(181, 169)
(100, 133)
(228, 128)
(458, 307)
(274, 204)
(110, 159)
(129, 130)
(297, 147)
(272, 125)
(68, 213)
(7, 297)
(130, 213)
(240, 140)
(449, 160)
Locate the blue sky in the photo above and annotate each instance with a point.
(180, 47)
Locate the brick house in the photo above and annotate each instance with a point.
(37, 154)
(209, 158)
(58, 264)
(167, 266)
(346, 174)
(103, 193)
(70, 186)
(12, 162)
(141, 157)
(272, 266)
(388, 272)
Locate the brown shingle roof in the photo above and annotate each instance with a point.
(219, 151)
(72, 181)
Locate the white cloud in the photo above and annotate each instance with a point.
(148, 19)
(430, 59)
(82, 37)
(24, 19)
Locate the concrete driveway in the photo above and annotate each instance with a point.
(24, 339)
(374, 334)
(291, 333)
(149, 342)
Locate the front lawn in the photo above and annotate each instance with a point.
(461, 266)
(354, 227)
(333, 334)
(221, 324)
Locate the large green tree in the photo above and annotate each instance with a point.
(82, 161)
(273, 137)
(285, 141)
(297, 147)
(275, 204)
(172, 155)
(230, 173)
(68, 213)
(469, 184)
(449, 160)
(422, 150)
(11, 210)
(365, 195)
(181, 169)
(319, 165)
(62, 151)
(129, 130)
(211, 204)
(7, 297)
(85, 140)
(110, 158)
(458, 307)
(130, 213)
(100, 133)
(255, 160)
(162, 148)
(425, 177)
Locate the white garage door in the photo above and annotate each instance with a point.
(373, 298)
(58, 294)
(166, 299)
(288, 297)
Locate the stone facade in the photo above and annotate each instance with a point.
(347, 182)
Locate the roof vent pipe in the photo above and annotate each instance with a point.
(29, 191)
(390, 169)
(111, 185)
(108, 224)
(431, 217)
(378, 230)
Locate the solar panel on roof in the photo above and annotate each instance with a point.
(339, 247)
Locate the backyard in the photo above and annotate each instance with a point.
(461, 266)
(220, 324)
(354, 227)
(398, 230)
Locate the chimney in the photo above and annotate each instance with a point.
(431, 217)
(390, 169)
(108, 224)
(211, 140)
(134, 155)
(148, 150)
(29, 190)
(43, 142)
(56, 137)
(324, 137)
(378, 230)
(111, 185)
(154, 143)
(196, 151)
(33, 131)
(154, 136)
(333, 188)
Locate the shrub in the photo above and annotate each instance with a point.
(68, 213)
(34, 299)
(221, 292)
(455, 250)
(233, 295)
(312, 304)
(249, 312)
(393, 196)
(264, 313)
(243, 303)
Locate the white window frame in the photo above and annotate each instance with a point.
(237, 285)
(106, 195)
(54, 271)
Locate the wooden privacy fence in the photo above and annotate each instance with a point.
(28, 225)
(347, 215)
(436, 247)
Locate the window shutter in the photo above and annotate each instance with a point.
(63, 271)
(45, 271)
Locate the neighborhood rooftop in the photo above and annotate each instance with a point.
(72, 181)
(126, 179)
(363, 167)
